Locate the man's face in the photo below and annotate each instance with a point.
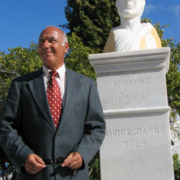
(130, 8)
(50, 48)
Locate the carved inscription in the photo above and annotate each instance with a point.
(137, 132)
(131, 82)
(134, 144)
(121, 132)
(129, 96)
(147, 131)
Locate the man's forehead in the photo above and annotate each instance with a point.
(51, 31)
(47, 37)
(49, 34)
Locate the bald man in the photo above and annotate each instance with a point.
(52, 124)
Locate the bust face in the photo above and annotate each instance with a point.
(130, 8)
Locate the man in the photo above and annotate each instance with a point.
(51, 114)
(132, 34)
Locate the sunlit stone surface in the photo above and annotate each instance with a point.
(132, 89)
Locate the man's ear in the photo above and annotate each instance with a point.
(66, 47)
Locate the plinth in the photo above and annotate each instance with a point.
(132, 89)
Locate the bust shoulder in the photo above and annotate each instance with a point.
(115, 29)
(148, 25)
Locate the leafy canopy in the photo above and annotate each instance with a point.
(91, 20)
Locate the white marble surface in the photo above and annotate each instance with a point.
(132, 79)
(132, 34)
(133, 60)
(132, 89)
(137, 147)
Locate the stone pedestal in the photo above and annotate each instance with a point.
(132, 89)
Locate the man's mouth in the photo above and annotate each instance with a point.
(46, 52)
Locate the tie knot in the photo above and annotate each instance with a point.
(53, 73)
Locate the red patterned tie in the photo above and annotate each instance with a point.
(54, 98)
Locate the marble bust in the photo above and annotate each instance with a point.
(131, 34)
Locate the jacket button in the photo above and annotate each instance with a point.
(57, 135)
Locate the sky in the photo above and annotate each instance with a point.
(23, 20)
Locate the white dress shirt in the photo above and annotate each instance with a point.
(60, 78)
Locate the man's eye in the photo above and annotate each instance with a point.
(41, 41)
(52, 40)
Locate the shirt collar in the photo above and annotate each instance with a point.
(61, 71)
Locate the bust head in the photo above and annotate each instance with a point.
(129, 9)
(132, 35)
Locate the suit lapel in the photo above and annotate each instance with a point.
(72, 90)
(37, 88)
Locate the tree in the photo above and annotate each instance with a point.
(77, 57)
(173, 78)
(176, 166)
(91, 20)
(17, 62)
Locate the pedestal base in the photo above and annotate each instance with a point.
(137, 146)
(132, 89)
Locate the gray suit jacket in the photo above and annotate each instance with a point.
(27, 127)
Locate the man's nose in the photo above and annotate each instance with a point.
(46, 44)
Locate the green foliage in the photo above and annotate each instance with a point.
(176, 166)
(17, 62)
(77, 58)
(21, 60)
(94, 168)
(91, 20)
(173, 78)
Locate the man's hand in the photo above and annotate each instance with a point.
(73, 161)
(34, 164)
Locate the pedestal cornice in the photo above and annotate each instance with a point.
(132, 60)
